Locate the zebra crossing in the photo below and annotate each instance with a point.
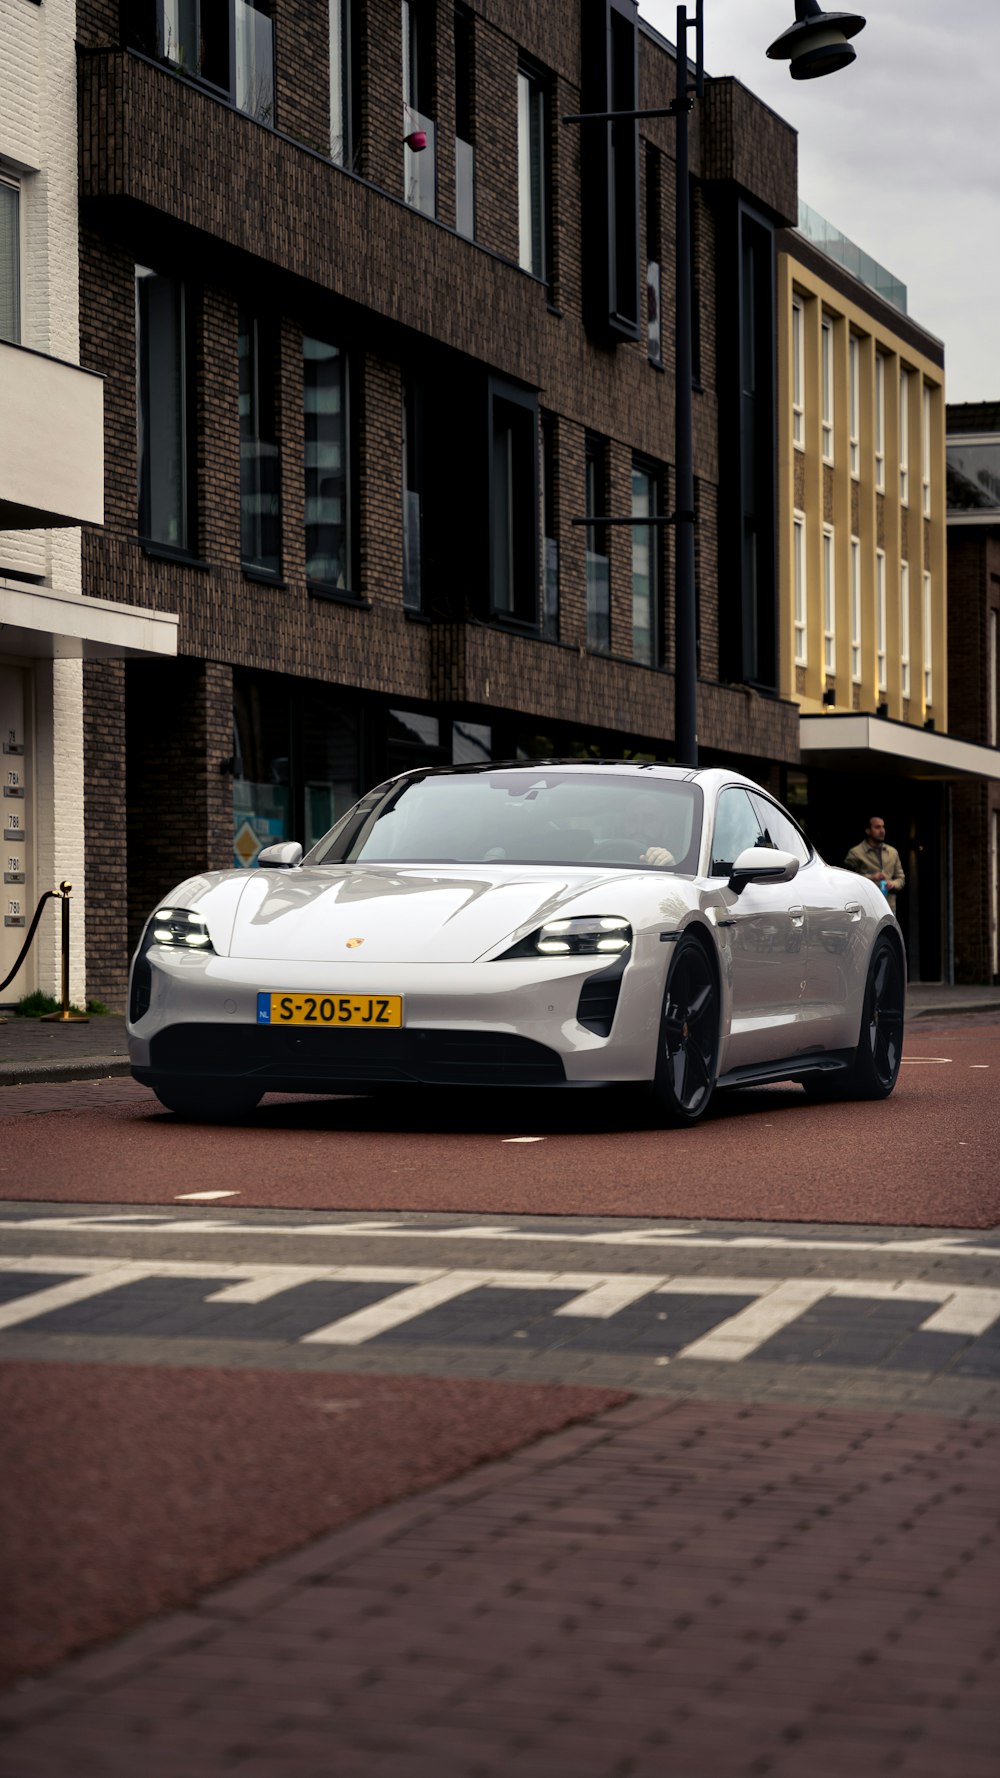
(724, 1317)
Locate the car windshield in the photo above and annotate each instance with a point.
(522, 816)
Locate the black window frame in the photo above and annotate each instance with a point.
(518, 408)
(259, 434)
(347, 586)
(539, 166)
(146, 455)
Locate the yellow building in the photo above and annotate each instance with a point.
(861, 418)
(862, 582)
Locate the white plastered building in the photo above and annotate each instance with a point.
(51, 482)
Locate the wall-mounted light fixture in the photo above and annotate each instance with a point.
(817, 43)
(830, 695)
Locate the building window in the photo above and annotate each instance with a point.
(880, 618)
(10, 260)
(829, 604)
(419, 175)
(465, 154)
(826, 373)
(654, 249)
(798, 373)
(854, 403)
(345, 83)
(598, 564)
(412, 461)
(904, 436)
(550, 543)
(880, 422)
(609, 154)
(513, 505)
(928, 641)
(855, 558)
(925, 463)
(904, 629)
(260, 462)
(799, 575)
(162, 409)
(532, 174)
(645, 567)
(326, 421)
(225, 44)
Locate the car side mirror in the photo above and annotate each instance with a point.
(762, 864)
(284, 856)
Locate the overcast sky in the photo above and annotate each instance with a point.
(901, 151)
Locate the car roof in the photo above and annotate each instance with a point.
(709, 777)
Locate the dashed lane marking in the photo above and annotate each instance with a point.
(151, 1222)
(965, 1310)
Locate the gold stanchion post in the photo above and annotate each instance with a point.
(66, 1016)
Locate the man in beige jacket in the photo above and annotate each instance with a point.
(874, 859)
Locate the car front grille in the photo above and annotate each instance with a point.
(292, 1060)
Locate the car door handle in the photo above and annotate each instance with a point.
(798, 916)
(854, 909)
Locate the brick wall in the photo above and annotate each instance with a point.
(171, 177)
(106, 845)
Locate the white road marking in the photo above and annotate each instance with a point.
(394, 1311)
(607, 1295)
(968, 1310)
(522, 1138)
(959, 1246)
(736, 1338)
(202, 1197)
(59, 1296)
(928, 1060)
(978, 1064)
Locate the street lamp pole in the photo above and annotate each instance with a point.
(685, 589)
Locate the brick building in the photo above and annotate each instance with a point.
(973, 476)
(867, 629)
(376, 328)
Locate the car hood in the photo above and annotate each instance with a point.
(414, 914)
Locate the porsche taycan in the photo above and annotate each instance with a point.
(531, 924)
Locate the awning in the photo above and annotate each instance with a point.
(37, 622)
(862, 742)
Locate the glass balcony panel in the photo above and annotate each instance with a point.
(419, 164)
(598, 603)
(254, 63)
(974, 476)
(465, 189)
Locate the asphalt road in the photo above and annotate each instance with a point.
(929, 1156)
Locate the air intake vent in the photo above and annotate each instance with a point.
(599, 998)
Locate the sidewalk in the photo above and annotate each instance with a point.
(32, 1051)
(678, 1589)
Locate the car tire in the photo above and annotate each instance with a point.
(687, 1054)
(205, 1101)
(874, 1070)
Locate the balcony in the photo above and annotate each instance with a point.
(51, 442)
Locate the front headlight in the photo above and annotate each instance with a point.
(180, 927)
(582, 935)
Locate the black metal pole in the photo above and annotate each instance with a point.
(685, 593)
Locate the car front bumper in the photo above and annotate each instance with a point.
(497, 1023)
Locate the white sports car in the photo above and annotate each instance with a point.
(538, 924)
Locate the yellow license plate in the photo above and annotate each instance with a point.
(371, 1012)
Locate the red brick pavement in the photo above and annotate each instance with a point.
(677, 1590)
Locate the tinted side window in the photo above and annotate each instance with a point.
(736, 827)
(780, 831)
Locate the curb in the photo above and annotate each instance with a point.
(13, 1074)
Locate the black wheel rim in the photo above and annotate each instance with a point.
(885, 1016)
(690, 1029)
